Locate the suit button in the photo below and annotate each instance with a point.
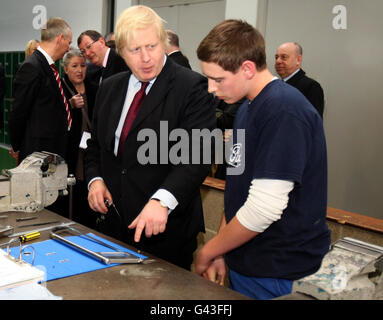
(124, 171)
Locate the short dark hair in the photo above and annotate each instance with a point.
(230, 43)
(173, 38)
(108, 36)
(93, 34)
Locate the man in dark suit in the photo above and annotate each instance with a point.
(174, 52)
(158, 201)
(104, 61)
(39, 119)
(288, 60)
(2, 95)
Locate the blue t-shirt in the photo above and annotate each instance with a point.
(284, 139)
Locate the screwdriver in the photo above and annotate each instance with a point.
(29, 236)
(108, 204)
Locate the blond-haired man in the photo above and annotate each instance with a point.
(159, 202)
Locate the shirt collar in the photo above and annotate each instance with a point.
(46, 55)
(135, 83)
(106, 58)
(173, 52)
(291, 75)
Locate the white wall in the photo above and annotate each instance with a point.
(191, 20)
(18, 21)
(242, 9)
(348, 64)
(121, 5)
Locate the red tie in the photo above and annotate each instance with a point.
(57, 77)
(133, 110)
(132, 113)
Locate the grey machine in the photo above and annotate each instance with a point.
(34, 184)
(351, 270)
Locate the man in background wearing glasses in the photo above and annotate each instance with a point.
(104, 61)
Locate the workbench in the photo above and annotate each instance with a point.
(158, 280)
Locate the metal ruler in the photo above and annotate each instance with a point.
(64, 224)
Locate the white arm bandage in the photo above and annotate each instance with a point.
(265, 203)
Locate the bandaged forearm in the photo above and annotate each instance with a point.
(265, 203)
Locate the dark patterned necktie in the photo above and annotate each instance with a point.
(133, 110)
(102, 70)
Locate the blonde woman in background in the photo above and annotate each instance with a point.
(31, 47)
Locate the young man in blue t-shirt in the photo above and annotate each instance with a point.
(273, 230)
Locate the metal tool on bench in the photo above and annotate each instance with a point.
(5, 230)
(117, 256)
(94, 239)
(352, 269)
(55, 226)
(38, 224)
(30, 234)
(25, 218)
(34, 184)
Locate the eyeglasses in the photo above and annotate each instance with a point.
(88, 46)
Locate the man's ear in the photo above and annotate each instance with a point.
(249, 68)
(299, 58)
(60, 38)
(102, 41)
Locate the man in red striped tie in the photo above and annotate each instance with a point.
(40, 118)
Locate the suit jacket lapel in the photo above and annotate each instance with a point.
(115, 114)
(109, 69)
(293, 80)
(49, 73)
